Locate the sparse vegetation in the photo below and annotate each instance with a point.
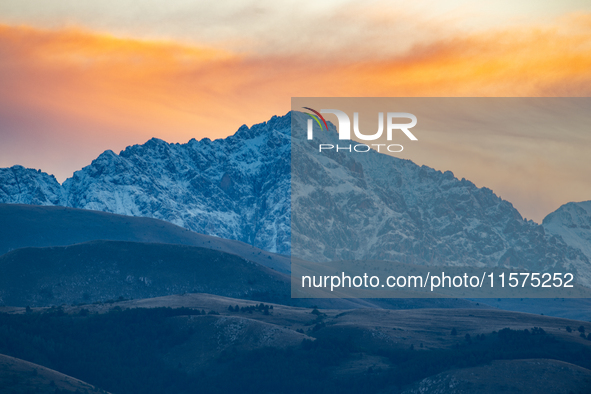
(507, 344)
(265, 309)
(117, 351)
(124, 352)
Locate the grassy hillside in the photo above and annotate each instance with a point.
(514, 376)
(109, 270)
(41, 226)
(22, 377)
(197, 343)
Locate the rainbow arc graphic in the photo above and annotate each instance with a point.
(315, 117)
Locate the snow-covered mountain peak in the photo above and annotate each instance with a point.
(20, 185)
(241, 187)
(572, 222)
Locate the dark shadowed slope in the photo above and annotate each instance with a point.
(199, 343)
(32, 225)
(23, 226)
(100, 271)
(106, 270)
(20, 377)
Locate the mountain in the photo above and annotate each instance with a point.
(234, 188)
(368, 206)
(374, 206)
(572, 222)
(19, 185)
(41, 226)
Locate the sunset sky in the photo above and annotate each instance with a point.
(79, 77)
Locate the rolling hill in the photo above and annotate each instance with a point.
(22, 377)
(108, 270)
(252, 347)
(41, 226)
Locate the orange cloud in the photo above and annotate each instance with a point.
(89, 92)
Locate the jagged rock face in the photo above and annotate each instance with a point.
(19, 185)
(374, 206)
(235, 188)
(344, 206)
(572, 222)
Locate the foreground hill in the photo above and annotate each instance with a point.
(22, 377)
(108, 270)
(197, 343)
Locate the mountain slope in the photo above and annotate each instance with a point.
(108, 270)
(41, 226)
(572, 222)
(374, 206)
(235, 188)
(369, 206)
(19, 185)
(103, 271)
(19, 376)
(140, 346)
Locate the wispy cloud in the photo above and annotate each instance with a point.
(68, 94)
